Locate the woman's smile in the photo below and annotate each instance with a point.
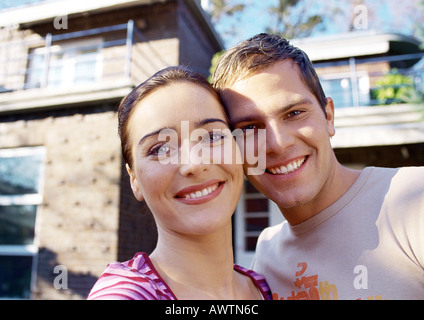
(200, 193)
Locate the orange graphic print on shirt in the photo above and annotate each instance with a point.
(309, 288)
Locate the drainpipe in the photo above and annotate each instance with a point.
(129, 44)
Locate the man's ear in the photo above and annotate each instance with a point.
(134, 184)
(329, 110)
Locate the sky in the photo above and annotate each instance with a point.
(383, 16)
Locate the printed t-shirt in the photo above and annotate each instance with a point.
(367, 245)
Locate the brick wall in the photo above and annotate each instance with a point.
(78, 219)
(89, 216)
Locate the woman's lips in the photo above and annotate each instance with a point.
(200, 193)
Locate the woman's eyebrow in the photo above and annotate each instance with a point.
(154, 133)
(197, 124)
(203, 122)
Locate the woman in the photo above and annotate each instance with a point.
(173, 132)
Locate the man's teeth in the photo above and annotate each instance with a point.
(201, 193)
(287, 169)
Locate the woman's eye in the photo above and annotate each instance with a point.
(159, 150)
(215, 136)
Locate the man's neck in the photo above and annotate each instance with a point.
(336, 186)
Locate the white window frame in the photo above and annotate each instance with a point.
(363, 84)
(68, 62)
(26, 199)
(243, 256)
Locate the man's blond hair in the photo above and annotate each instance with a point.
(257, 53)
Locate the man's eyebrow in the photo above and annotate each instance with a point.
(251, 118)
(197, 124)
(296, 103)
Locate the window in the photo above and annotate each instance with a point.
(344, 92)
(21, 172)
(76, 63)
(254, 213)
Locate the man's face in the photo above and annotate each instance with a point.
(299, 157)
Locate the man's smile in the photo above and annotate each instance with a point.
(288, 168)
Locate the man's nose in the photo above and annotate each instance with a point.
(278, 137)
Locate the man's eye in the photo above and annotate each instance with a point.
(249, 127)
(294, 113)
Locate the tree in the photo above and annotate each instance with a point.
(293, 19)
(221, 8)
(214, 62)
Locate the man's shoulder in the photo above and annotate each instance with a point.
(270, 237)
(413, 172)
(404, 179)
(408, 177)
(270, 232)
(403, 171)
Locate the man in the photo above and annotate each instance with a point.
(348, 234)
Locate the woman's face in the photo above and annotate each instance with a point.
(184, 155)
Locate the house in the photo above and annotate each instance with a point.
(66, 207)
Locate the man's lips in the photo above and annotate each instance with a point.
(200, 192)
(287, 168)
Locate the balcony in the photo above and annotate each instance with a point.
(379, 101)
(374, 81)
(81, 67)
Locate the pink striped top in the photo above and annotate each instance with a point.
(137, 279)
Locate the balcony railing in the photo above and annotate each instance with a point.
(93, 56)
(374, 81)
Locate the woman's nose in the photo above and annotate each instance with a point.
(192, 159)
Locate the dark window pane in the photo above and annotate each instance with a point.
(17, 225)
(251, 243)
(20, 175)
(249, 188)
(15, 277)
(257, 205)
(256, 224)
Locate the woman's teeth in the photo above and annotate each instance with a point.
(201, 193)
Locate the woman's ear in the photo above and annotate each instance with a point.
(134, 184)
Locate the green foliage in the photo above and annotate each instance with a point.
(214, 62)
(394, 88)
